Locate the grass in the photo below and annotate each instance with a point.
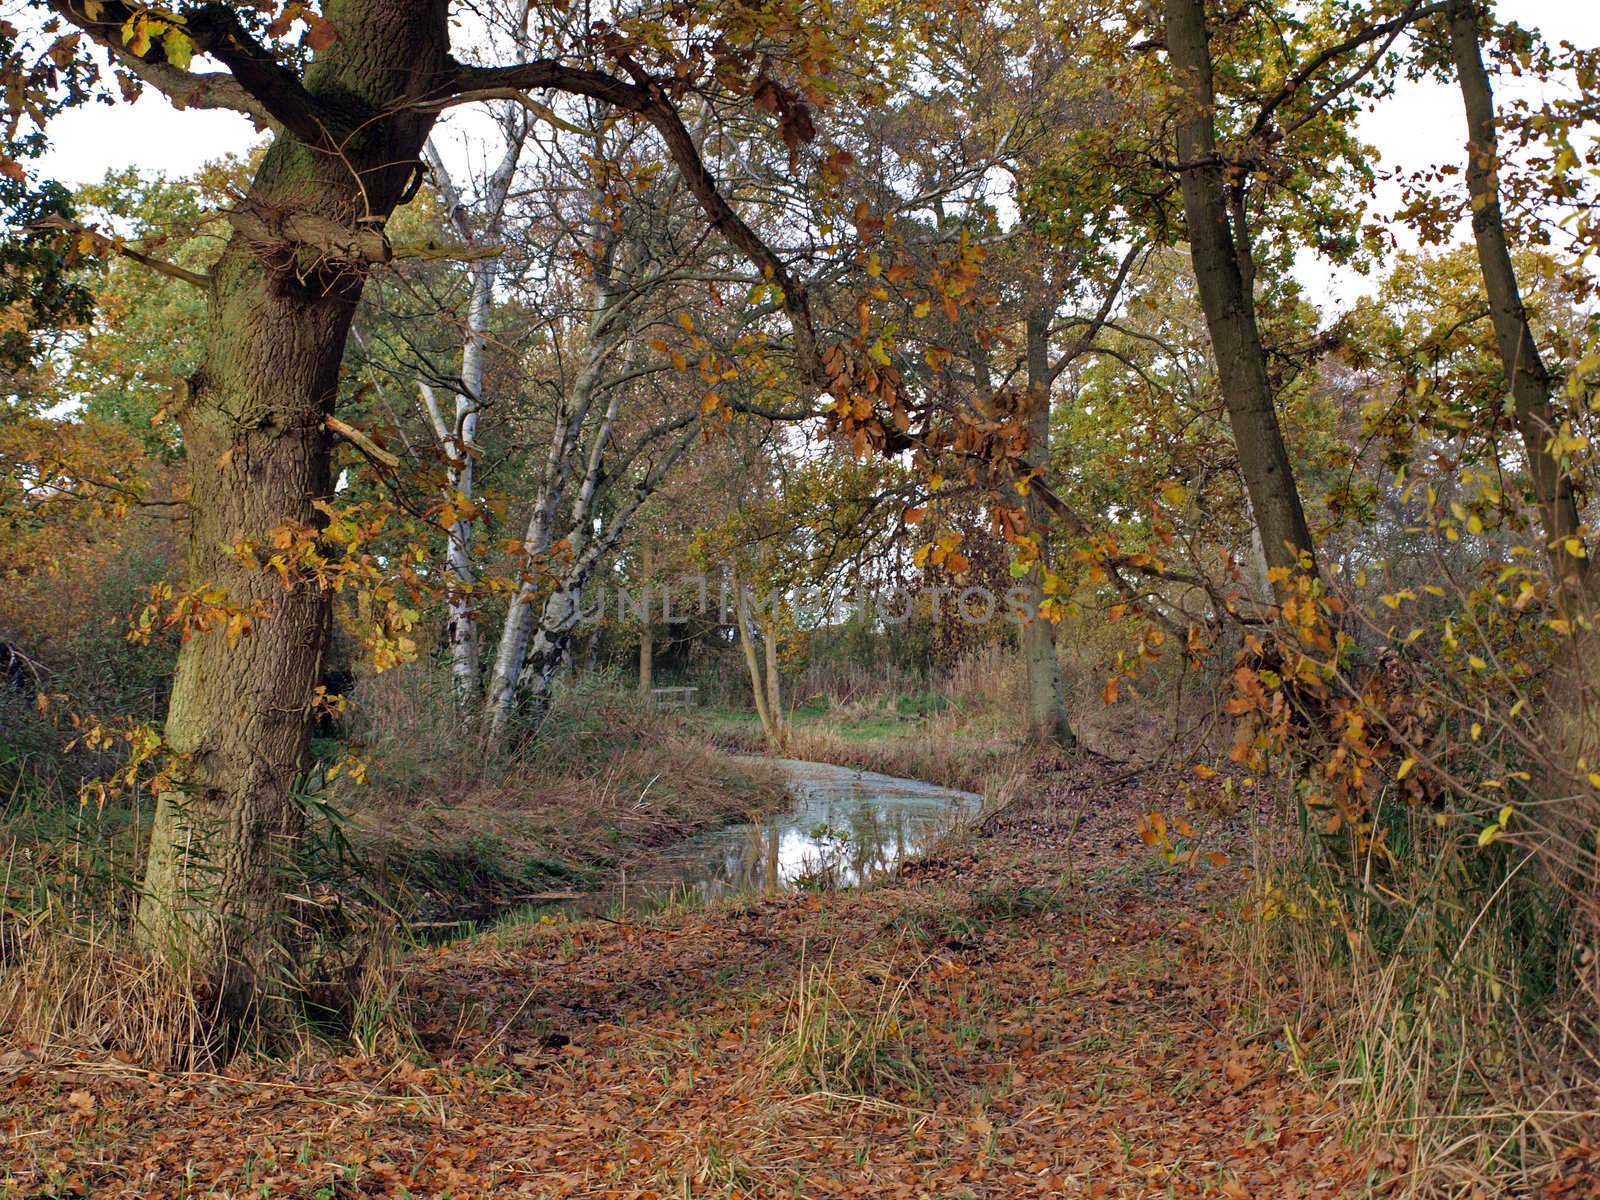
(434, 844)
(1427, 1005)
(830, 1045)
(803, 1045)
(950, 747)
(964, 735)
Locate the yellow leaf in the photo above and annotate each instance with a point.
(1491, 833)
(178, 47)
(1405, 768)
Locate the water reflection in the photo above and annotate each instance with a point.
(846, 828)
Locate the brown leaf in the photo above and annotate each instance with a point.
(321, 33)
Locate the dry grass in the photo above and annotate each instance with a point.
(830, 1045)
(439, 834)
(607, 778)
(973, 742)
(933, 756)
(75, 988)
(1412, 999)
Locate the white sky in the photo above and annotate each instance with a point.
(1421, 125)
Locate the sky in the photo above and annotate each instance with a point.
(1421, 125)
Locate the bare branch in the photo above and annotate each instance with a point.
(646, 98)
(362, 442)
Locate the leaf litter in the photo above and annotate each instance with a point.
(1039, 1008)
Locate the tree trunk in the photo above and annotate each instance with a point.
(1047, 693)
(461, 446)
(531, 673)
(517, 634)
(458, 438)
(1574, 699)
(259, 457)
(758, 687)
(1519, 355)
(647, 647)
(780, 726)
(1229, 306)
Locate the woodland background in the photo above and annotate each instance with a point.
(313, 463)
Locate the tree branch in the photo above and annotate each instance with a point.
(117, 246)
(644, 97)
(1390, 29)
(257, 83)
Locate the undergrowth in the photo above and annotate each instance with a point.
(441, 837)
(838, 1046)
(1436, 992)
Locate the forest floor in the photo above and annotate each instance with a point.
(1041, 1008)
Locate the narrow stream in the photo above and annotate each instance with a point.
(846, 827)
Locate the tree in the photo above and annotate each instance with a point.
(457, 437)
(1525, 371)
(350, 112)
(1227, 295)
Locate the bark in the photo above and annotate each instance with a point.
(1220, 266)
(529, 678)
(1047, 696)
(646, 661)
(1574, 700)
(1530, 382)
(259, 455)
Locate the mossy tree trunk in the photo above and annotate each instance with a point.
(260, 456)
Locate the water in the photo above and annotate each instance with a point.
(846, 827)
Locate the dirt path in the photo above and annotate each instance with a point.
(1006, 1020)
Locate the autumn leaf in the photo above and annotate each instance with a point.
(320, 33)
